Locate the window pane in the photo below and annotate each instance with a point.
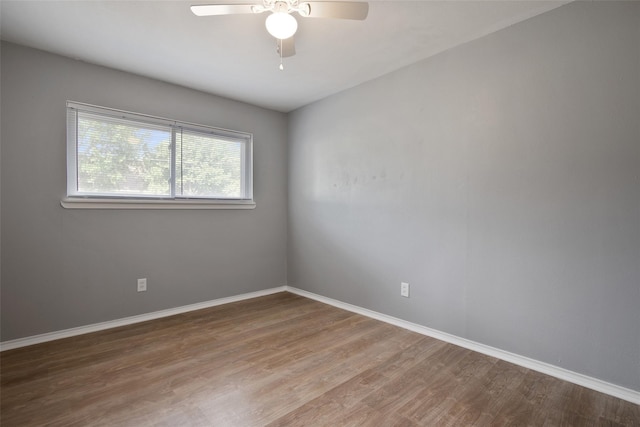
(208, 166)
(119, 154)
(116, 156)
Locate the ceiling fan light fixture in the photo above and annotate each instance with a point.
(281, 25)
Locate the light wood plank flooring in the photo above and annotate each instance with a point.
(283, 360)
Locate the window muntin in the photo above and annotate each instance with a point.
(123, 155)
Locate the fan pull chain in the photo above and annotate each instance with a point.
(281, 66)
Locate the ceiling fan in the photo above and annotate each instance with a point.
(280, 23)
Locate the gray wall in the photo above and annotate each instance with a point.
(500, 179)
(67, 268)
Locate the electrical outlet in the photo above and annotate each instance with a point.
(142, 285)
(404, 289)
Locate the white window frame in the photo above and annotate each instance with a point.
(78, 200)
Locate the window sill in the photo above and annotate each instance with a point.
(95, 203)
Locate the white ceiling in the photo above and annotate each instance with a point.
(234, 56)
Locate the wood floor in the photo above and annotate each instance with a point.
(283, 360)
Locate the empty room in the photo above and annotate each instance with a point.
(341, 213)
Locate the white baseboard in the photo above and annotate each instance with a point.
(555, 371)
(50, 336)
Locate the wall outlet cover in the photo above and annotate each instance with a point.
(404, 289)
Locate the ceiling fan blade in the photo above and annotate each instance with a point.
(222, 9)
(337, 9)
(288, 47)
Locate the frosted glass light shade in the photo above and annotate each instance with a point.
(281, 25)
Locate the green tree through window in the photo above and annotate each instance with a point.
(122, 158)
(119, 154)
(208, 166)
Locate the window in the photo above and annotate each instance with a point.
(125, 159)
